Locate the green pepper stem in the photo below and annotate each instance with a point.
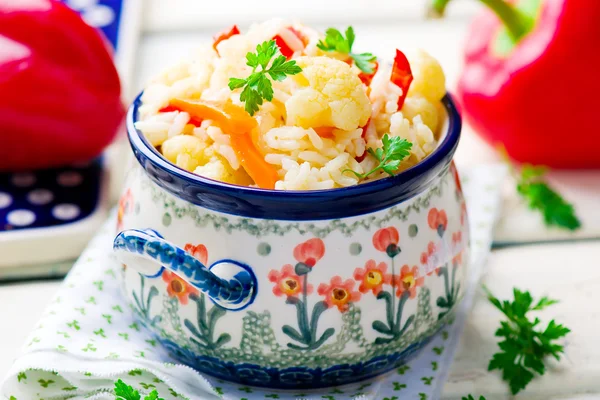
(514, 21)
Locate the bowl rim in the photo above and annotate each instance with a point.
(405, 184)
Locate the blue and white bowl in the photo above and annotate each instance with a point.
(293, 289)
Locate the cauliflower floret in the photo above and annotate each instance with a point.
(418, 105)
(219, 170)
(428, 77)
(185, 151)
(329, 94)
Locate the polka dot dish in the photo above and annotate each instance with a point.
(42, 199)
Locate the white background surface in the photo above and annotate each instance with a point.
(569, 272)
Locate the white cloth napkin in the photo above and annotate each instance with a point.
(88, 338)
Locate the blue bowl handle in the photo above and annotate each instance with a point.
(230, 284)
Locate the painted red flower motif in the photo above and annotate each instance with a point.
(199, 251)
(437, 220)
(125, 206)
(408, 280)
(310, 252)
(456, 238)
(287, 283)
(386, 239)
(372, 277)
(177, 287)
(339, 294)
(456, 242)
(426, 255)
(457, 259)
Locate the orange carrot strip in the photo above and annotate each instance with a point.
(263, 173)
(231, 119)
(325, 131)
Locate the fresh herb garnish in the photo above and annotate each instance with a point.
(125, 392)
(395, 149)
(335, 41)
(257, 87)
(556, 210)
(470, 397)
(524, 347)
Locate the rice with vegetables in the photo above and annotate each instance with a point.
(283, 106)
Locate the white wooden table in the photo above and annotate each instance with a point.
(569, 272)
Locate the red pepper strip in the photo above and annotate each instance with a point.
(169, 108)
(300, 36)
(283, 47)
(60, 95)
(401, 75)
(367, 78)
(224, 35)
(193, 120)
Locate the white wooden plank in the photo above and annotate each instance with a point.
(566, 272)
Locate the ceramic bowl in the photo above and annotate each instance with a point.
(293, 289)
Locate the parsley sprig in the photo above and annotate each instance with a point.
(524, 346)
(125, 392)
(470, 397)
(540, 196)
(335, 41)
(395, 149)
(258, 87)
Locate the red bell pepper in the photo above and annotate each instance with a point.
(193, 120)
(401, 76)
(289, 40)
(367, 78)
(60, 95)
(283, 46)
(226, 34)
(530, 80)
(299, 35)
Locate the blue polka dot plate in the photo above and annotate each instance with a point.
(49, 215)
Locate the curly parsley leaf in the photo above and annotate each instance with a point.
(470, 397)
(540, 196)
(335, 41)
(524, 346)
(394, 150)
(258, 87)
(125, 392)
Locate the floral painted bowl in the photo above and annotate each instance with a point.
(293, 289)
